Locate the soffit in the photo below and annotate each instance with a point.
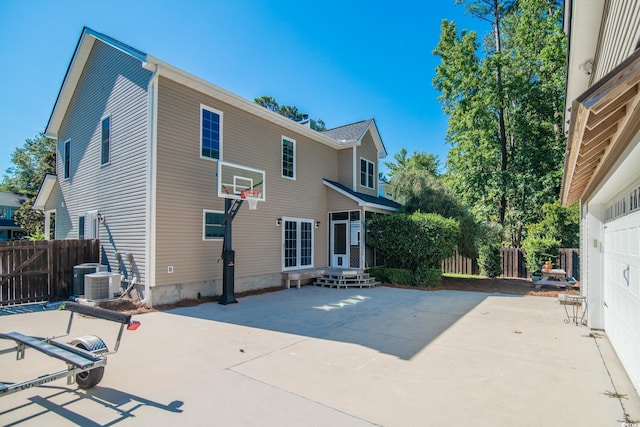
(603, 121)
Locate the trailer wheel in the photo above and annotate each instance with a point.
(89, 379)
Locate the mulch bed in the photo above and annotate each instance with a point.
(481, 284)
(496, 285)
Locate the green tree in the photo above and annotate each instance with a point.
(288, 111)
(31, 163)
(559, 222)
(515, 85)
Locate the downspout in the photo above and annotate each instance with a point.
(150, 229)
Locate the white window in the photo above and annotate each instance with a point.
(367, 173)
(288, 158)
(212, 228)
(297, 237)
(210, 133)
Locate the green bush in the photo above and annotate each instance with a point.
(412, 241)
(490, 260)
(538, 250)
(428, 276)
(399, 276)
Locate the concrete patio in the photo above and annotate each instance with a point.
(320, 357)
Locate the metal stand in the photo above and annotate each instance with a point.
(231, 208)
(576, 302)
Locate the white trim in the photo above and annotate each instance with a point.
(44, 193)
(347, 255)
(313, 243)
(293, 141)
(105, 117)
(220, 114)
(204, 225)
(373, 178)
(92, 225)
(151, 167)
(354, 166)
(360, 202)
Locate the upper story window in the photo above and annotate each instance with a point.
(367, 173)
(66, 160)
(212, 228)
(210, 133)
(105, 145)
(288, 158)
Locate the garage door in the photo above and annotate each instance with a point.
(622, 291)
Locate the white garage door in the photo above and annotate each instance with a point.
(622, 291)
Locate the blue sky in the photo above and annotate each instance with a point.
(340, 61)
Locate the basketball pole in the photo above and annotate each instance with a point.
(231, 208)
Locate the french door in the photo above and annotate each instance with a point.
(297, 243)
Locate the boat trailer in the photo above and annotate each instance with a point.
(85, 356)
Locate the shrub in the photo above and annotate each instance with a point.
(490, 260)
(398, 276)
(428, 276)
(413, 241)
(539, 250)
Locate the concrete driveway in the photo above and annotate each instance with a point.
(328, 357)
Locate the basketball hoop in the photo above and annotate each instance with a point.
(252, 196)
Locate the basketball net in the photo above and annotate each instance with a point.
(252, 196)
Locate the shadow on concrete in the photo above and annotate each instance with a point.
(62, 402)
(398, 322)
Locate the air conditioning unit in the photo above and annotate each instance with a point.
(81, 270)
(101, 285)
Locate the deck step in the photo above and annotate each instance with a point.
(346, 279)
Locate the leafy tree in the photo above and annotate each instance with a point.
(505, 111)
(31, 163)
(560, 223)
(288, 111)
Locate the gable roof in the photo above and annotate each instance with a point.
(46, 188)
(354, 132)
(158, 67)
(12, 200)
(363, 199)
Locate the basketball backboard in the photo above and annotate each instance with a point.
(233, 179)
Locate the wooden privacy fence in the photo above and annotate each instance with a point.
(41, 270)
(513, 263)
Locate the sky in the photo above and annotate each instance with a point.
(339, 61)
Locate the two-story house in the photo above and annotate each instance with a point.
(9, 204)
(601, 165)
(138, 142)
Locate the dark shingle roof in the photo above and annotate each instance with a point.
(349, 132)
(383, 201)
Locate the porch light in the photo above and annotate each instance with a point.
(278, 222)
(317, 224)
